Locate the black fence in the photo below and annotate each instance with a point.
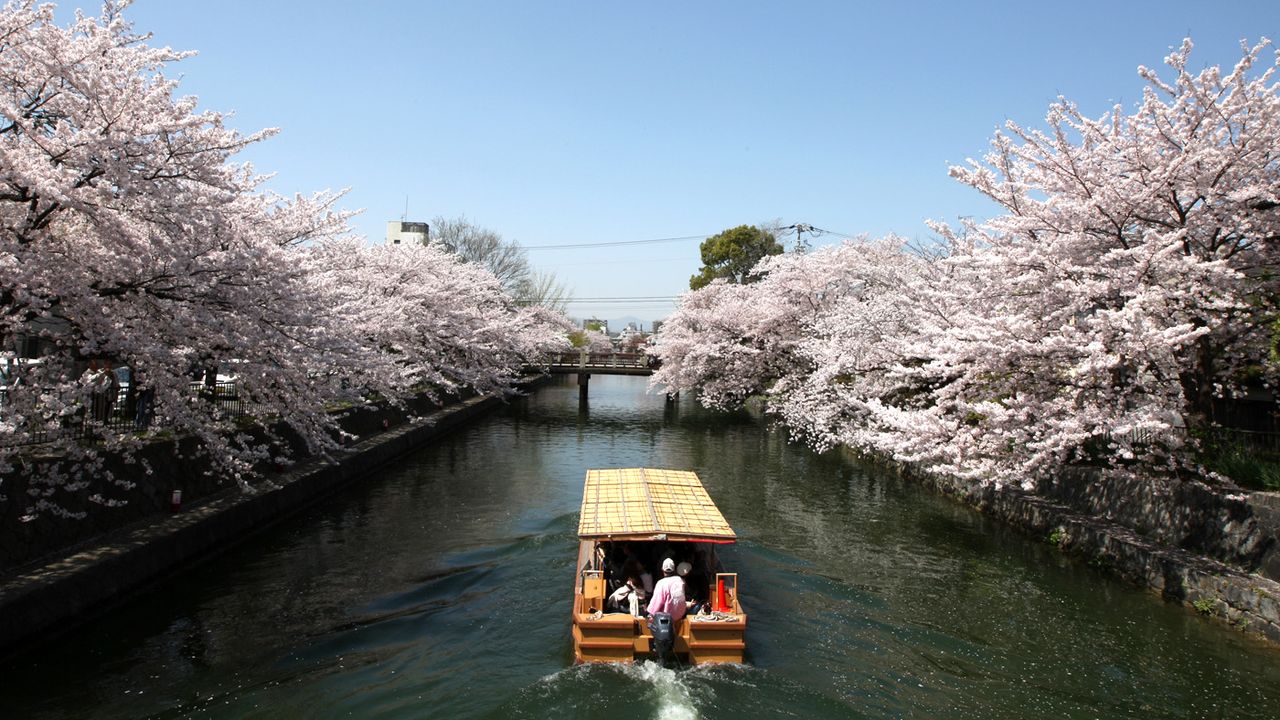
(1263, 443)
(119, 411)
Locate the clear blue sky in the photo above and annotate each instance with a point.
(578, 122)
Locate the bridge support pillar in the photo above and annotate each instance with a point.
(583, 379)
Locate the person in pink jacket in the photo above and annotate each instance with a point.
(668, 593)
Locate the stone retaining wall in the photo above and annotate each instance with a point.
(175, 464)
(64, 592)
(1215, 522)
(1191, 543)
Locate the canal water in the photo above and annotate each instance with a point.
(441, 588)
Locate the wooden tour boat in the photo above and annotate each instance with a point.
(632, 519)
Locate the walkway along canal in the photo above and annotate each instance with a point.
(440, 588)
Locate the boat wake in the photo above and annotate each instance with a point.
(640, 690)
(673, 696)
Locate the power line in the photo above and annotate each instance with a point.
(636, 300)
(846, 236)
(581, 245)
(798, 227)
(631, 297)
(622, 301)
(593, 263)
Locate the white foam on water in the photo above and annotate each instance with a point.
(674, 697)
(673, 694)
(737, 674)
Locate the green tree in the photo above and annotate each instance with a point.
(733, 253)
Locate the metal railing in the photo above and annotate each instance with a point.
(1261, 442)
(117, 411)
(601, 360)
(1264, 443)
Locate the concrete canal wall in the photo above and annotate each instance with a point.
(175, 465)
(56, 592)
(1212, 550)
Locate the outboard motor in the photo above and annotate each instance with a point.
(664, 638)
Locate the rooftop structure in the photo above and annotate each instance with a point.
(401, 231)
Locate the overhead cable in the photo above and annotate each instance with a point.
(639, 300)
(801, 227)
(576, 246)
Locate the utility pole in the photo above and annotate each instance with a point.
(802, 247)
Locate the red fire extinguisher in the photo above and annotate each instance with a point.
(175, 501)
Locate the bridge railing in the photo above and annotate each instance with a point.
(600, 360)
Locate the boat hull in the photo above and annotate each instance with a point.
(617, 637)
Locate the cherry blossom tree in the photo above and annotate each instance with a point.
(729, 341)
(996, 377)
(854, 347)
(719, 344)
(438, 322)
(595, 340)
(129, 237)
(1130, 282)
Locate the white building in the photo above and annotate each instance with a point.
(400, 231)
(630, 336)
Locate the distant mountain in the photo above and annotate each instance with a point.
(616, 324)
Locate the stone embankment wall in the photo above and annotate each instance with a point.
(175, 464)
(60, 590)
(1221, 524)
(1211, 549)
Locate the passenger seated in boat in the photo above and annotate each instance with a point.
(634, 569)
(668, 594)
(614, 566)
(635, 566)
(628, 598)
(695, 586)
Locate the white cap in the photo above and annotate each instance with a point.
(668, 565)
(683, 569)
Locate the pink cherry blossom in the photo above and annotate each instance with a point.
(1130, 283)
(130, 237)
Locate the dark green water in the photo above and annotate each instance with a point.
(441, 588)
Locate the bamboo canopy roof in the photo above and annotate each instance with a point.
(649, 504)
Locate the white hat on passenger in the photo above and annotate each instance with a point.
(668, 565)
(683, 569)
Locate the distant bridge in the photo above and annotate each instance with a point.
(610, 363)
(583, 364)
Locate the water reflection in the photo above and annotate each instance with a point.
(441, 588)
